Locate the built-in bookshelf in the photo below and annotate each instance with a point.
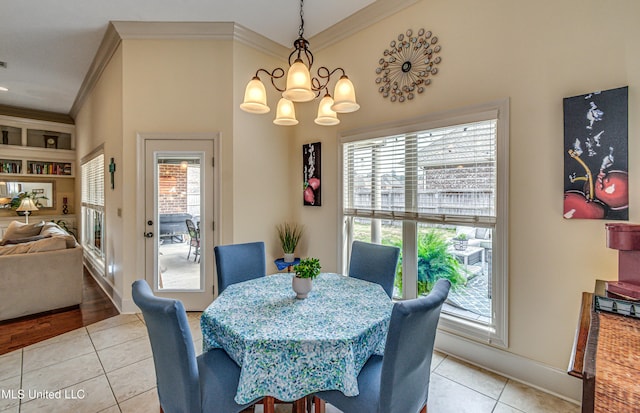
(34, 147)
(10, 166)
(49, 168)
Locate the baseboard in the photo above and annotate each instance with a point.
(532, 373)
(106, 287)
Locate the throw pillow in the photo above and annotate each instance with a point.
(483, 233)
(17, 230)
(7, 241)
(51, 229)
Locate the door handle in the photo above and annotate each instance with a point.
(148, 234)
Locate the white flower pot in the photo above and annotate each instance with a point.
(289, 257)
(301, 286)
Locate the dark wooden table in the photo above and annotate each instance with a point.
(613, 383)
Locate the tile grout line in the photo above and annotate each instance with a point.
(104, 371)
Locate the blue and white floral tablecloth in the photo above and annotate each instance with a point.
(289, 348)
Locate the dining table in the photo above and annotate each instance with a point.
(289, 348)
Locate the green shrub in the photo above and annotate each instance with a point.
(434, 263)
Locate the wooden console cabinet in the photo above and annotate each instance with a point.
(606, 356)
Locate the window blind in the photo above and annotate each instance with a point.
(93, 182)
(446, 174)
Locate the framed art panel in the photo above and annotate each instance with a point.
(596, 155)
(311, 168)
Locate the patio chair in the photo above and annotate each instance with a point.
(186, 383)
(239, 262)
(375, 263)
(194, 241)
(398, 381)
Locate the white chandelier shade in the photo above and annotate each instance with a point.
(255, 97)
(326, 116)
(285, 113)
(344, 96)
(298, 83)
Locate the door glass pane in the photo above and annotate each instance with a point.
(178, 221)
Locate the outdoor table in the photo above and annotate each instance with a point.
(289, 348)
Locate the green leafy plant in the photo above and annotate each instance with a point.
(289, 235)
(434, 262)
(308, 268)
(36, 197)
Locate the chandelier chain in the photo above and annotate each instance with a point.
(301, 29)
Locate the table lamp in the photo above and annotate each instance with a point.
(27, 205)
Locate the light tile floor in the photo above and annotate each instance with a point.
(108, 367)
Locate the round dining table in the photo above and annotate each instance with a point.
(289, 348)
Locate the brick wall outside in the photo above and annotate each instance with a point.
(173, 189)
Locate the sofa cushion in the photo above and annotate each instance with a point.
(43, 245)
(51, 229)
(17, 230)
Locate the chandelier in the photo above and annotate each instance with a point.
(301, 87)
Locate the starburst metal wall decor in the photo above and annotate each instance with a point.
(408, 65)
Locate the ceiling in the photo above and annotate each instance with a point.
(48, 45)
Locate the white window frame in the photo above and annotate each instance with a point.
(93, 256)
(496, 333)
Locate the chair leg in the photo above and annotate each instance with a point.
(299, 406)
(319, 404)
(269, 404)
(424, 409)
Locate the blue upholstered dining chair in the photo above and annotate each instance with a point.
(239, 262)
(375, 263)
(398, 381)
(186, 383)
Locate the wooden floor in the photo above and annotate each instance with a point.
(21, 332)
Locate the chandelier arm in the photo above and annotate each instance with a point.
(276, 73)
(324, 73)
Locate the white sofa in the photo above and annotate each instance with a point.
(40, 272)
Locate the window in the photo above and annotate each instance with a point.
(93, 211)
(437, 188)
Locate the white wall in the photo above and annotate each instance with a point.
(535, 53)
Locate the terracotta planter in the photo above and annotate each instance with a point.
(301, 286)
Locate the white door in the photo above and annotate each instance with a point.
(179, 219)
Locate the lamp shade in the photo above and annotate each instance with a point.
(286, 113)
(344, 96)
(298, 83)
(27, 204)
(326, 116)
(255, 97)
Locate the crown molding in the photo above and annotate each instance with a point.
(131, 30)
(42, 115)
(108, 46)
(126, 30)
(358, 21)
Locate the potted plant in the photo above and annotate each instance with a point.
(289, 235)
(460, 242)
(306, 271)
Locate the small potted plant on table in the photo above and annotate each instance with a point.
(460, 242)
(306, 271)
(289, 235)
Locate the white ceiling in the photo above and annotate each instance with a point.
(48, 45)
